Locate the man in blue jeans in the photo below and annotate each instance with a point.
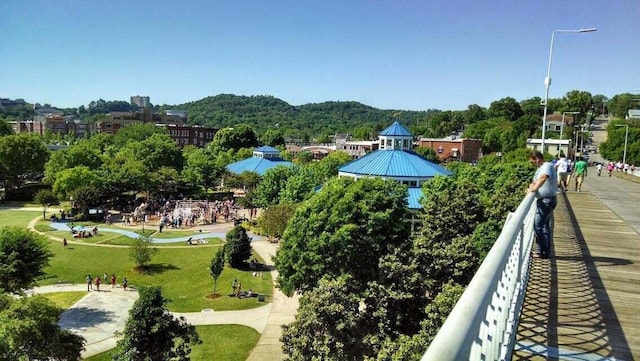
(545, 187)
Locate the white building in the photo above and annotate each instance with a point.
(551, 146)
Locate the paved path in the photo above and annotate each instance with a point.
(99, 314)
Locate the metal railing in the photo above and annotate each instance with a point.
(483, 324)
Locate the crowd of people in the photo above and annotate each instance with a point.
(97, 281)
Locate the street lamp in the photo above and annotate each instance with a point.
(626, 139)
(547, 79)
(562, 125)
(144, 216)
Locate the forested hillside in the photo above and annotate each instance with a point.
(268, 112)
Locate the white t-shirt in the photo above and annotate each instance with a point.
(562, 165)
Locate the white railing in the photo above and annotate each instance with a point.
(483, 324)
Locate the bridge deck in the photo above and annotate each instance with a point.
(584, 302)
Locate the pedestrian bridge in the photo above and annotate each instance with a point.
(581, 304)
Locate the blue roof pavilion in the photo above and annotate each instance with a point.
(396, 160)
(263, 159)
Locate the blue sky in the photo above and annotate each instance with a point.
(413, 55)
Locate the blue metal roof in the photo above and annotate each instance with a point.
(413, 200)
(257, 164)
(267, 149)
(396, 129)
(394, 163)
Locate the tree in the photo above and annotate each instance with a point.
(216, 267)
(576, 100)
(240, 136)
(238, 247)
(267, 192)
(428, 154)
(22, 157)
(71, 179)
(202, 169)
(46, 197)
(151, 333)
(327, 325)
(507, 107)
(343, 229)
(86, 196)
(532, 107)
(141, 251)
(272, 138)
(23, 256)
(273, 221)
(29, 330)
(5, 128)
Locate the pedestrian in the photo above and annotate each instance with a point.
(89, 283)
(113, 280)
(234, 286)
(580, 170)
(65, 244)
(562, 166)
(124, 283)
(98, 284)
(545, 187)
(105, 277)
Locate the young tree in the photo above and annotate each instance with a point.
(238, 247)
(29, 331)
(216, 267)
(141, 251)
(23, 256)
(152, 333)
(46, 198)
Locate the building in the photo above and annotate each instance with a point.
(263, 159)
(454, 149)
(140, 101)
(634, 114)
(552, 146)
(396, 160)
(355, 148)
(189, 134)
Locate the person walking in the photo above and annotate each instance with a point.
(545, 187)
(562, 166)
(65, 243)
(98, 283)
(580, 170)
(89, 283)
(124, 283)
(113, 280)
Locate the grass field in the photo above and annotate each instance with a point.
(183, 274)
(17, 218)
(64, 300)
(219, 342)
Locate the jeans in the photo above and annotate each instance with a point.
(541, 223)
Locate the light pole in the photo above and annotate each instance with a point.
(626, 139)
(547, 79)
(562, 125)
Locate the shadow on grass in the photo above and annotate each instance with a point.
(158, 268)
(255, 266)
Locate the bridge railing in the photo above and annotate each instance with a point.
(483, 324)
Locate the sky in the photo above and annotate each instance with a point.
(389, 54)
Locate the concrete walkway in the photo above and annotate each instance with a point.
(98, 315)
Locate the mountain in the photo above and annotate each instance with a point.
(264, 112)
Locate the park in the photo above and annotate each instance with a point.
(180, 269)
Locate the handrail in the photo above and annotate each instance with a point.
(483, 323)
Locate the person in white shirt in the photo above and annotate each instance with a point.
(562, 167)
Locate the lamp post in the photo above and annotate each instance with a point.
(562, 125)
(144, 218)
(626, 139)
(547, 79)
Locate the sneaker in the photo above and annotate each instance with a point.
(579, 190)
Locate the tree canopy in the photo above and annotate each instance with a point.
(23, 256)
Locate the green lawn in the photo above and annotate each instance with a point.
(219, 342)
(17, 218)
(64, 300)
(183, 274)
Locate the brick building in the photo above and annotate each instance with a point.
(453, 148)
